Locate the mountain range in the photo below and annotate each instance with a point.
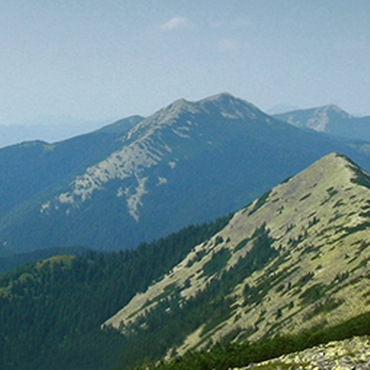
(284, 268)
(287, 271)
(331, 120)
(141, 179)
(49, 129)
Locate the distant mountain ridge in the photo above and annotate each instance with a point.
(329, 119)
(48, 129)
(138, 152)
(293, 259)
(32, 167)
(189, 162)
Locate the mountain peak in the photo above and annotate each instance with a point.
(223, 105)
(329, 119)
(334, 109)
(320, 110)
(330, 165)
(318, 119)
(230, 107)
(175, 163)
(307, 239)
(224, 96)
(221, 102)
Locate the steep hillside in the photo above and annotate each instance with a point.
(187, 163)
(331, 120)
(296, 257)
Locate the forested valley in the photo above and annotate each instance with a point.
(51, 311)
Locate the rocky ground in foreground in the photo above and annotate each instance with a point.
(348, 354)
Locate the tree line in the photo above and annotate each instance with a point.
(51, 312)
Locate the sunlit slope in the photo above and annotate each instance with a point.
(294, 258)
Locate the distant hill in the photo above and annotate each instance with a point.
(11, 261)
(49, 130)
(331, 120)
(189, 162)
(31, 168)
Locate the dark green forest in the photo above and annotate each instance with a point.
(51, 311)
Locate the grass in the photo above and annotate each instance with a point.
(260, 202)
(324, 307)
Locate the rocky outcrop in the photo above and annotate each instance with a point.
(348, 354)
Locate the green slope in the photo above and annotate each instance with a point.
(295, 258)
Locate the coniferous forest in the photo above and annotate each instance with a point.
(51, 311)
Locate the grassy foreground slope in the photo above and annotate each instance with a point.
(295, 258)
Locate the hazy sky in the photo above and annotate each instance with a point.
(96, 60)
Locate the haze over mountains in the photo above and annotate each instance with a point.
(187, 163)
(331, 120)
(49, 129)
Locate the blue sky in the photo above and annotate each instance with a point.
(104, 60)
